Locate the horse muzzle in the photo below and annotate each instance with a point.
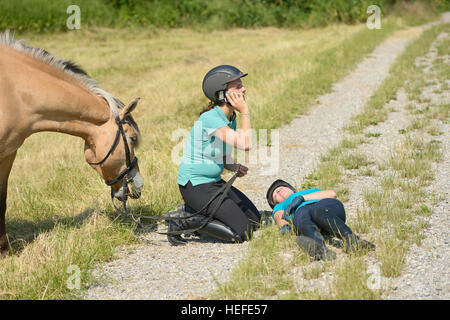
(132, 188)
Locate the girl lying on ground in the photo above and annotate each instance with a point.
(313, 213)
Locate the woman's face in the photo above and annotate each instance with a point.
(281, 193)
(236, 86)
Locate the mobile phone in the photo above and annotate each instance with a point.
(222, 96)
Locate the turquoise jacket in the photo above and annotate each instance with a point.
(283, 205)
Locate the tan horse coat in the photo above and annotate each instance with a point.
(39, 92)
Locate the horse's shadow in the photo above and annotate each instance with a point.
(22, 232)
(146, 226)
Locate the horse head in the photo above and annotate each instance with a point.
(111, 154)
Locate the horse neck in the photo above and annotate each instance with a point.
(51, 100)
(71, 111)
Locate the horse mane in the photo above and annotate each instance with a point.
(70, 68)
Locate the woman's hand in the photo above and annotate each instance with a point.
(237, 100)
(242, 169)
(235, 166)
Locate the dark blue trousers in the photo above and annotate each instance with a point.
(326, 216)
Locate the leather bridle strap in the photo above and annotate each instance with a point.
(124, 174)
(116, 140)
(130, 164)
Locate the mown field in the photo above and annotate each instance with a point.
(59, 212)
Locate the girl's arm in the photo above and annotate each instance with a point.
(241, 140)
(320, 195)
(277, 217)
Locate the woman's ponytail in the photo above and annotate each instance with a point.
(210, 106)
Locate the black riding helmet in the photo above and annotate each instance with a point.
(273, 186)
(216, 80)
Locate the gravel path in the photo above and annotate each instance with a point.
(156, 270)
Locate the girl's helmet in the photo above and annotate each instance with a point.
(273, 186)
(216, 80)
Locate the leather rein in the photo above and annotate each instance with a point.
(124, 175)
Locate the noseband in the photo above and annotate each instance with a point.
(130, 164)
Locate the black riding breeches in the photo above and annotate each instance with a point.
(236, 210)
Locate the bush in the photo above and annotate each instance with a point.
(44, 15)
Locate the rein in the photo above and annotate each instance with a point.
(224, 190)
(124, 175)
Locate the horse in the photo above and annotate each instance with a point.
(40, 92)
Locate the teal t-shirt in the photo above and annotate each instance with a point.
(202, 160)
(283, 205)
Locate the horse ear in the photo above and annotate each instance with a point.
(127, 110)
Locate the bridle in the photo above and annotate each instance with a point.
(125, 174)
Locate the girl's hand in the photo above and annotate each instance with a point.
(285, 229)
(237, 101)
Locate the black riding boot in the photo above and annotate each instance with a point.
(174, 226)
(213, 228)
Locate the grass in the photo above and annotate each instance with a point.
(47, 16)
(40, 271)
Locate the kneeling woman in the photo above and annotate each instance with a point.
(313, 212)
(208, 151)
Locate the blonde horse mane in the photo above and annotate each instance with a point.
(7, 39)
